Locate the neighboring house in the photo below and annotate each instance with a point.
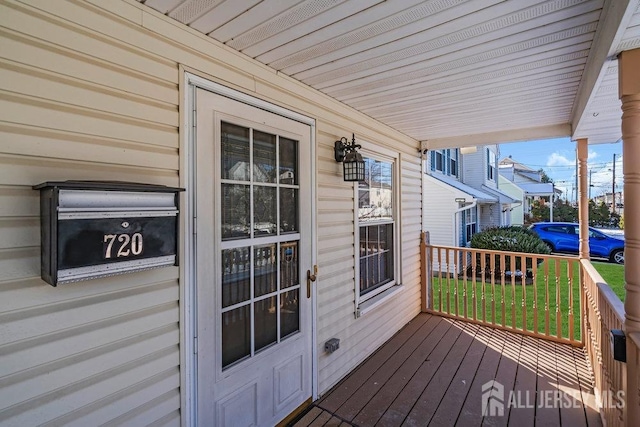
(530, 182)
(462, 194)
(607, 199)
(516, 211)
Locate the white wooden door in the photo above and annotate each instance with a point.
(253, 250)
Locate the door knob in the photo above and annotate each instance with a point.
(311, 278)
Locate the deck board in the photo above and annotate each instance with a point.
(433, 370)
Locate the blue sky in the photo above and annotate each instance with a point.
(558, 158)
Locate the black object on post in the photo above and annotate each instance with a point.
(618, 345)
(92, 229)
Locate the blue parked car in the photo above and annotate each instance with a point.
(565, 237)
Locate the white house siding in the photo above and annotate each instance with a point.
(440, 205)
(489, 215)
(516, 213)
(475, 167)
(89, 91)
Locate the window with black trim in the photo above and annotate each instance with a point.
(376, 228)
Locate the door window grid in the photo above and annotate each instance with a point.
(251, 333)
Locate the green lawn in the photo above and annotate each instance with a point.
(534, 304)
(613, 274)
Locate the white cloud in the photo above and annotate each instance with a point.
(556, 159)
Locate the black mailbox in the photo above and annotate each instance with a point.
(93, 229)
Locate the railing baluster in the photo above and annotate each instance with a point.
(512, 265)
(523, 279)
(465, 271)
(570, 308)
(429, 276)
(448, 273)
(474, 267)
(483, 262)
(493, 289)
(456, 265)
(558, 302)
(440, 279)
(534, 277)
(502, 301)
(546, 296)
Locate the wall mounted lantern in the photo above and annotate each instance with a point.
(352, 162)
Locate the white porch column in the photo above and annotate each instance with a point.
(629, 82)
(583, 199)
(629, 91)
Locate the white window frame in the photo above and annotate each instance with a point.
(454, 158)
(377, 296)
(492, 167)
(472, 212)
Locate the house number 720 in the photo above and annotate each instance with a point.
(129, 245)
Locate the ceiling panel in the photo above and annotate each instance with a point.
(434, 69)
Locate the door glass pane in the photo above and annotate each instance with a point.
(264, 210)
(289, 312)
(235, 152)
(288, 161)
(236, 335)
(288, 264)
(264, 157)
(288, 210)
(266, 322)
(264, 270)
(235, 211)
(235, 276)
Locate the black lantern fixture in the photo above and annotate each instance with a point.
(352, 162)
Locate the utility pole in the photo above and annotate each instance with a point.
(613, 192)
(553, 191)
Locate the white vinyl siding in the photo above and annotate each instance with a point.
(90, 91)
(440, 206)
(490, 214)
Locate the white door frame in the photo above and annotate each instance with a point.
(188, 314)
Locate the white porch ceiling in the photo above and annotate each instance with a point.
(449, 72)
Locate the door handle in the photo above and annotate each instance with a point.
(311, 278)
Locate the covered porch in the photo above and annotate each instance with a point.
(138, 90)
(461, 74)
(437, 371)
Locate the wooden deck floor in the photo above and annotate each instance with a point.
(432, 372)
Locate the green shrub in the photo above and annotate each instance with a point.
(509, 239)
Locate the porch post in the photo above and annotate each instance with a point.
(583, 201)
(629, 91)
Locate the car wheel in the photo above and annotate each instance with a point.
(617, 256)
(551, 248)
